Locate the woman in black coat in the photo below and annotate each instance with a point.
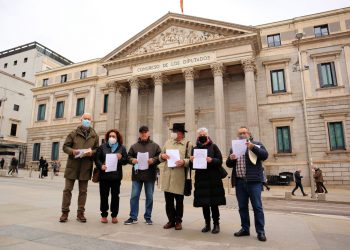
(110, 181)
(209, 192)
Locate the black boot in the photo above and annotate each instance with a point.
(206, 228)
(216, 229)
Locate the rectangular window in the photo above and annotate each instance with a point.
(63, 78)
(278, 81)
(45, 82)
(80, 107)
(105, 103)
(25, 59)
(15, 107)
(23, 74)
(327, 75)
(83, 74)
(274, 40)
(321, 30)
(36, 152)
(336, 135)
(284, 144)
(13, 129)
(5, 65)
(15, 62)
(41, 112)
(59, 109)
(55, 151)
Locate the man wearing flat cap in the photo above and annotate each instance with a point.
(146, 177)
(173, 178)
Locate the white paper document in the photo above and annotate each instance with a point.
(82, 152)
(200, 158)
(142, 159)
(239, 147)
(174, 155)
(111, 162)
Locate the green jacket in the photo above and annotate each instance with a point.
(80, 168)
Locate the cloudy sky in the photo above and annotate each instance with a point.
(86, 29)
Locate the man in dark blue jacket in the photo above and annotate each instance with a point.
(247, 175)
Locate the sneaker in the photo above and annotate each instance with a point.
(149, 222)
(104, 220)
(114, 220)
(130, 221)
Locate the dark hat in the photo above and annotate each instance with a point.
(143, 129)
(179, 127)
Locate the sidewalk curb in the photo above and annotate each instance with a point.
(308, 200)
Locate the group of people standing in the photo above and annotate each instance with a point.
(209, 192)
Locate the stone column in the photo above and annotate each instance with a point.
(250, 93)
(70, 114)
(118, 105)
(91, 108)
(132, 125)
(50, 115)
(158, 108)
(220, 121)
(110, 124)
(190, 116)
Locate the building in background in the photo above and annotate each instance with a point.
(25, 60)
(17, 76)
(218, 75)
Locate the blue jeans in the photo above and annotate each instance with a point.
(246, 191)
(135, 197)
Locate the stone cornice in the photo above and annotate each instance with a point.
(189, 49)
(327, 38)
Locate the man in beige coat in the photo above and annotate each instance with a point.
(173, 178)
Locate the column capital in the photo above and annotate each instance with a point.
(111, 85)
(248, 64)
(189, 73)
(217, 69)
(134, 82)
(157, 78)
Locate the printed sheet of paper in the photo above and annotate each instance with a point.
(142, 159)
(111, 162)
(200, 158)
(82, 152)
(174, 155)
(239, 147)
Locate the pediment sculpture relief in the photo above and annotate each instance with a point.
(174, 37)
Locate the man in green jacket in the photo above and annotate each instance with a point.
(80, 146)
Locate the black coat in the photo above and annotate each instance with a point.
(100, 159)
(254, 173)
(297, 177)
(208, 187)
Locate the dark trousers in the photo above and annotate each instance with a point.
(246, 191)
(67, 195)
(214, 212)
(174, 212)
(106, 187)
(298, 185)
(320, 188)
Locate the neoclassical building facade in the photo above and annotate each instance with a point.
(218, 75)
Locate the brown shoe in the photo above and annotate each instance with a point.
(178, 226)
(64, 217)
(81, 217)
(104, 220)
(169, 225)
(114, 220)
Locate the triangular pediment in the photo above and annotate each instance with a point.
(174, 31)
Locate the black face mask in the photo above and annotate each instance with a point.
(202, 139)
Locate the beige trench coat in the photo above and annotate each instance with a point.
(173, 179)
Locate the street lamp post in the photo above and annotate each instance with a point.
(299, 36)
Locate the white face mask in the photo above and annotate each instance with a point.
(173, 135)
(112, 140)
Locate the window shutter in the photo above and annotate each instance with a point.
(334, 76)
(319, 68)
